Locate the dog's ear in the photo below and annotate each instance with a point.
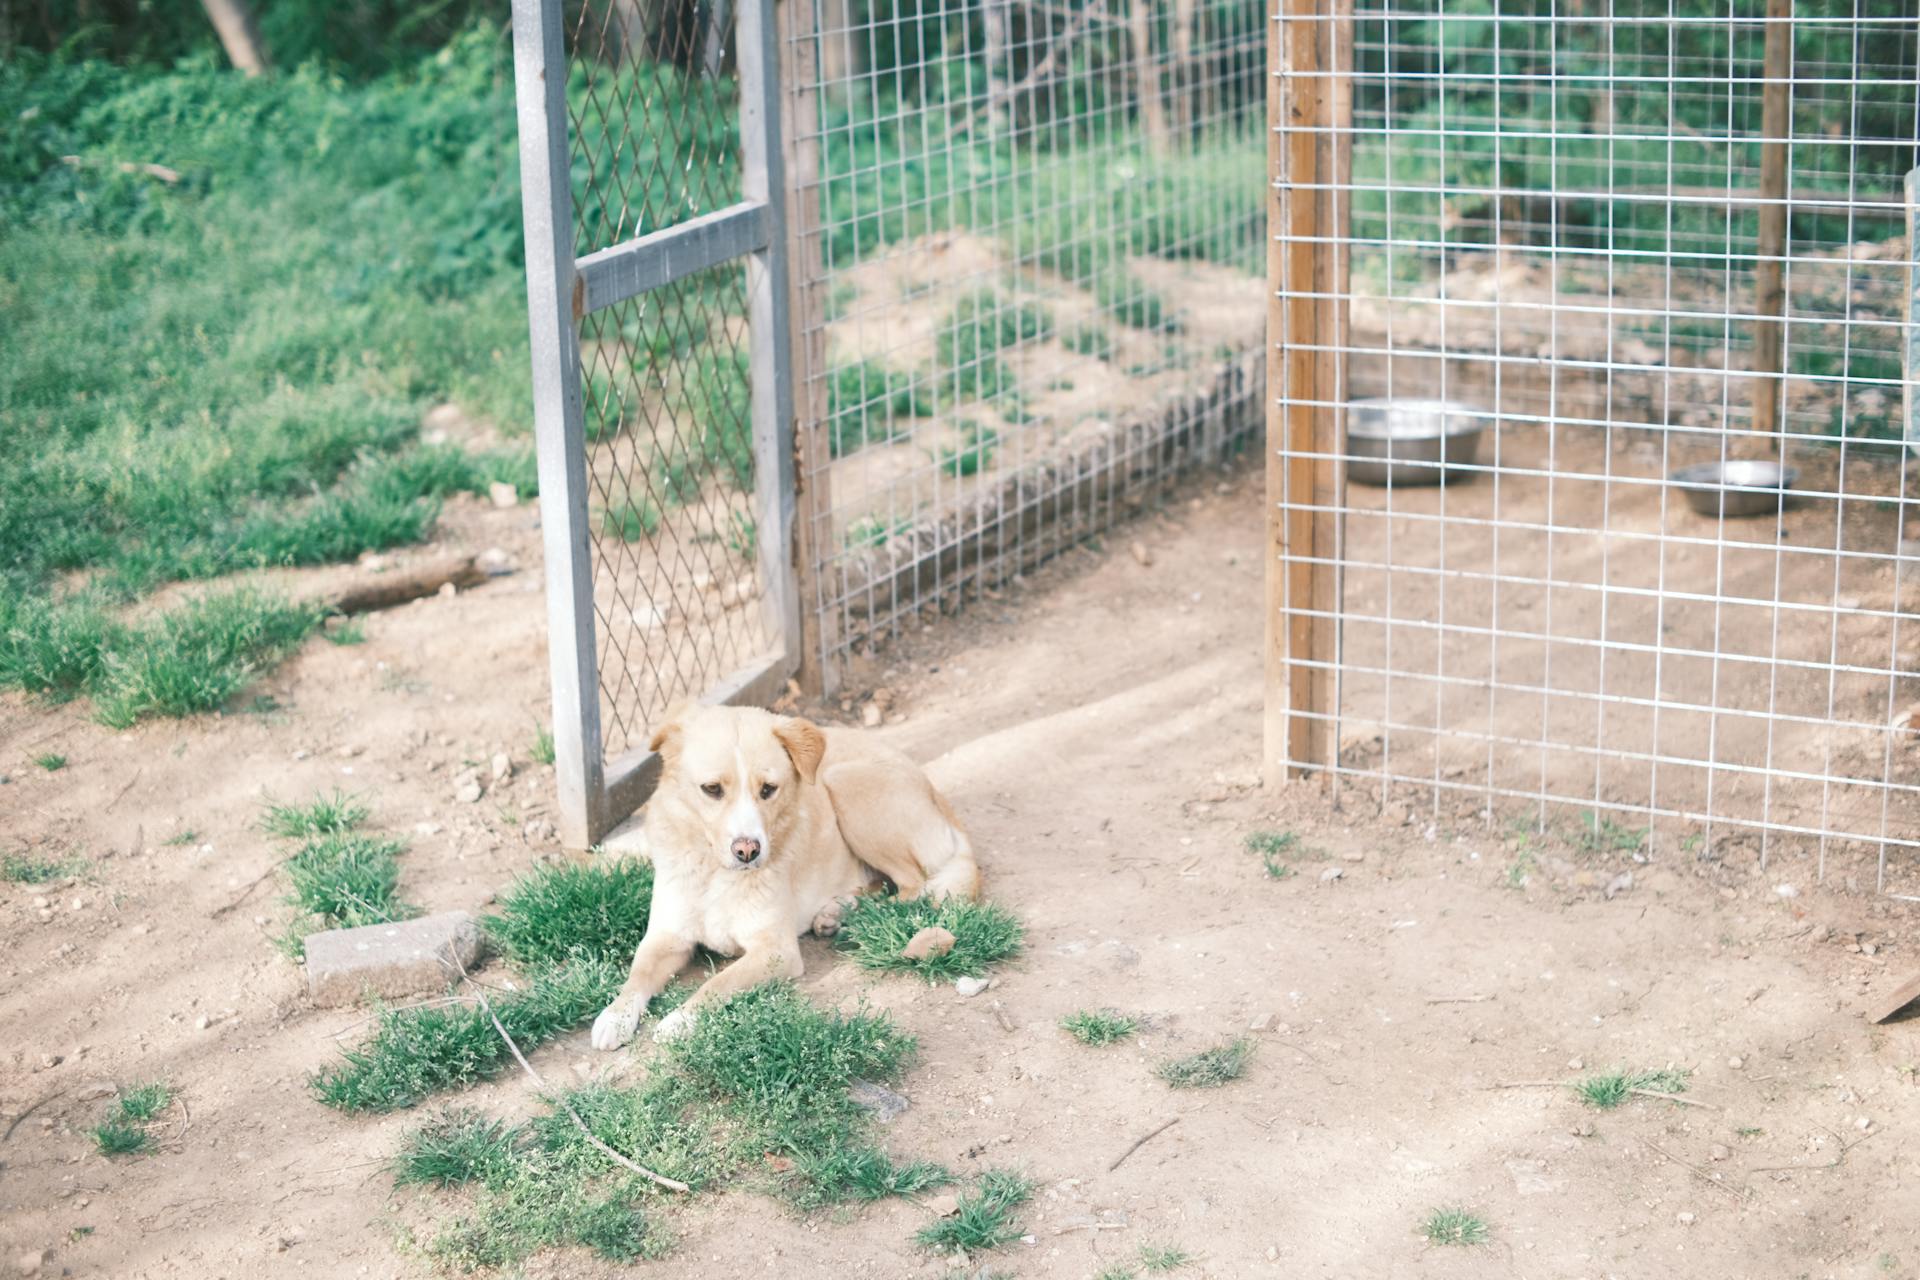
(665, 738)
(805, 745)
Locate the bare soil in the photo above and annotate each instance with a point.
(1098, 727)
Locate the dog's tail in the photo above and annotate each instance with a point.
(958, 875)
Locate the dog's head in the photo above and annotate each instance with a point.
(738, 772)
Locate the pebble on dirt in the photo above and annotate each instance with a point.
(1331, 874)
(503, 494)
(870, 715)
(971, 987)
(1140, 553)
(884, 1103)
(468, 790)
(929, 942)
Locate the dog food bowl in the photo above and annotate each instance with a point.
(1408, 442)
(1734, 488)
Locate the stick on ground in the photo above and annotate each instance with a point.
(397, 588)
(1140, 1142)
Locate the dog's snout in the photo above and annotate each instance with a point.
(746, 849)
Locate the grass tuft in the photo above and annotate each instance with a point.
(346, 634)
(51, 762)
(1208, 1069)
(343, 881)
(851, 1172)
(144, 1102)
(1608, 1089)
(1099, 1026)
(541, 752)
(1156, 1259)
(878, 927)
(458, 1146)
(563, 909)
(1455, 1226)
(322, 816)
(114, 1138)
(196, 657)
(1271, 846)
(985, 1218)
(20, 869)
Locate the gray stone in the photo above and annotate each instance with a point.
(885, 1104)
(390, 959)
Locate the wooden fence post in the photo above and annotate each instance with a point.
(1308, 110)
(1769, 296)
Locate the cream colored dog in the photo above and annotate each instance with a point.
(762, 828)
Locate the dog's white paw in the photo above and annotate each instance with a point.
(826, 921)
(615, 1025)
(674, 1025)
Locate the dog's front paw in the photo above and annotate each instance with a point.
(826, 921)
(674, 1025)
(615, 1025)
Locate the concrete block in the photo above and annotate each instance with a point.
(390, 959)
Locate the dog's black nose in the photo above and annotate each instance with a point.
(746, 849)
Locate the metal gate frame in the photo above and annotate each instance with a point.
(596, 792)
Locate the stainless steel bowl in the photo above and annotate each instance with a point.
(1407, 442)
(1741, 487)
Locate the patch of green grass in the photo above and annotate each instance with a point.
(1157, 1259)
(1129, 302)
(184, 838)
(1089, 340)
(867, 403)
(1271, 846)
(144, 1102)
(1608, 1089)
(985, 1219)
(541, 752)
(417, 1052)
(1520, 871)
(1748, 1131)
(1118, 1271)
(1455, 1226)
(458, 1146)
(973, 454)
(51, 762)
(18, 868)
(878, 927)
(1208, 1069)
(981, 325)
(324, 815)
(114, 1138)
(636, 518)
(1099, 1026)
(1598, 834)
(346, 634)
(560, 910)
(345, 880)
(756, 1095)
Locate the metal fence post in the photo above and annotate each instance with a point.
(546, 193)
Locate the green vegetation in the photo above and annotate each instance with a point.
(126, 1130)
(570, 930)
(18, 868)
(877, 927)
(116, 1139)
(51, 762)
(755, 1095)
(342, 881)
(541, 752)
(1597, 834)
(1608, 1089)
(1455, 1226)
(1208, 1069)
(985, 1218)
(1159, 1258)
(143, 1102)
(1089, 340)
(867, 403)
(1099, 1026)
(981, 325)
(346, 634)
(324, 815)
(1271, 845)
(635, 518)
(975, 452)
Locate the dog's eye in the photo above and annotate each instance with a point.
(766, 790)
(713, 789)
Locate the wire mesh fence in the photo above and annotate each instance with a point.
(1029, 252)
(1619, 272)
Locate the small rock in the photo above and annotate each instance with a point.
(503, 494)
(1584, 1129)
(1262, 1023)
(390, 959)
(502, 767)
(1618, 885)
(468, 790)
(1331, 874)
(1735, 1063)
(1869, 948)
(1140, 553)
(1786, 891)
(48, 1061)
(494, 562)
(1863, 1124)
(738, 592)
(201, 1023)
(649, 617)
(1684, 1219)
(970, 987)
(929, 942)
(943, 1205)
(871, 715)
(426, 828)
(884, 1103)
(1575, 1064)
(29, 1263)
(1719, 1151)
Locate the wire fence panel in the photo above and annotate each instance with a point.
(1028, 250)
(1615, 273)
(650, 134)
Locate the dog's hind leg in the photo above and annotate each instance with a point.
(894, 821)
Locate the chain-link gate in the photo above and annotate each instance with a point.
(657, 291)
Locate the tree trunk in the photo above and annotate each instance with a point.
(1146, 74)
(239, 35)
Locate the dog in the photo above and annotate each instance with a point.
(763, 828)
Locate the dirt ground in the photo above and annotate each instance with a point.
(1098, 728)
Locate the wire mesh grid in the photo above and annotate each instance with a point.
(1029, 268)
(1616, 241)
(654, 128)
